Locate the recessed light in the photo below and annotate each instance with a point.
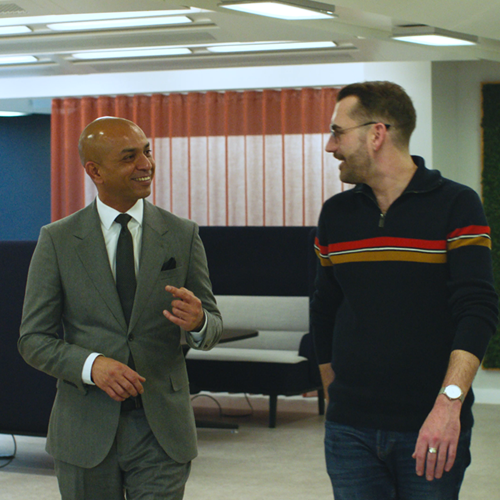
(14, 30)
(119, 23)
(67, 18)
(10, 114)
(282, 10)
(269, 46)
(17, 59)
(131, 53)
(428, 35)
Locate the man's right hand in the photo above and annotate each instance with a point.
(116, 379)
(327, 377)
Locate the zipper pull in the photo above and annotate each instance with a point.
(381, 220)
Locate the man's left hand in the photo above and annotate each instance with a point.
(440, 432)
(187, 311)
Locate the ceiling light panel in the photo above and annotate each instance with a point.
(119, 23)
(132, 53)
(17, 59)
(435, 40)
(428, 35)
(11, 114)
(14, 30)
(262, 47)
(278, 10)
(68, 18)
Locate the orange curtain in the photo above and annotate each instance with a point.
(223, 158)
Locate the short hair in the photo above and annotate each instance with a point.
(386, 102)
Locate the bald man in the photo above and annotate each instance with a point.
(122, 422)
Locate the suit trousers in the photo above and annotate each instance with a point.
(136, 468)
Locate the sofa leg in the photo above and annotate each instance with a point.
(273, 406)
(321, 401)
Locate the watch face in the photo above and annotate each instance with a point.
(453, 391)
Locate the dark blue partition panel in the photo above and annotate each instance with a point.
(27, 394)
(267, 261)
(25, 170)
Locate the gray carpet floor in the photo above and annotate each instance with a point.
(255, 462)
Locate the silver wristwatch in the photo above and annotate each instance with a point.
(453, 392)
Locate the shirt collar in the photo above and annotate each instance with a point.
(108, 214)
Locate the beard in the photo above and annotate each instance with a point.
(354, 167)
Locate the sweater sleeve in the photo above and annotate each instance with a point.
(473, 300)
(326, 299)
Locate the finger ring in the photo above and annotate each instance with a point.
(432, 450)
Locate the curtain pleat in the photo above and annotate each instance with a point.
(223, 158)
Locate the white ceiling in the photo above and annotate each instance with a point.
(362, 31)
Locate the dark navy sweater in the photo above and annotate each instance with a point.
(396, 293)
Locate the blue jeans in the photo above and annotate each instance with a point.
(368, 464)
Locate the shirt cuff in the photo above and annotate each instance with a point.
(198, 337)
(87, 368)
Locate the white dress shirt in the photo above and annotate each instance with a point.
(111, 231)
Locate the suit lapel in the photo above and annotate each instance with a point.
(92, 252)
(153, 251)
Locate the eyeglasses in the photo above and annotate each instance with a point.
(337, 132)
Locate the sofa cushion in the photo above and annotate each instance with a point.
(269, 339)
(250, 355)
(264, 313)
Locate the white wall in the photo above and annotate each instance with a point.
(414, 77)
(408, 74)
(456, 92)
(182, 80)
(456, 102)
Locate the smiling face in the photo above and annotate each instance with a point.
(350, 146)
(117, 156)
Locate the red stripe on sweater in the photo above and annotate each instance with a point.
(469, 231)
(383, 242)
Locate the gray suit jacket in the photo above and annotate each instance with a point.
(70, 283)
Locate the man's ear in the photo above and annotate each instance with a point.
(379, 135)
(93, 171)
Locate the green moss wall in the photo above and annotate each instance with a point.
(491, 193)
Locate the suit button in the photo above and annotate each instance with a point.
(131, 337)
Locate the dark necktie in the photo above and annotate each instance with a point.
(125, 267)
(126, 284)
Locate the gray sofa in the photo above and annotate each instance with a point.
(275, 266)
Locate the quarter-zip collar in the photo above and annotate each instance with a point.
(423, 180)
